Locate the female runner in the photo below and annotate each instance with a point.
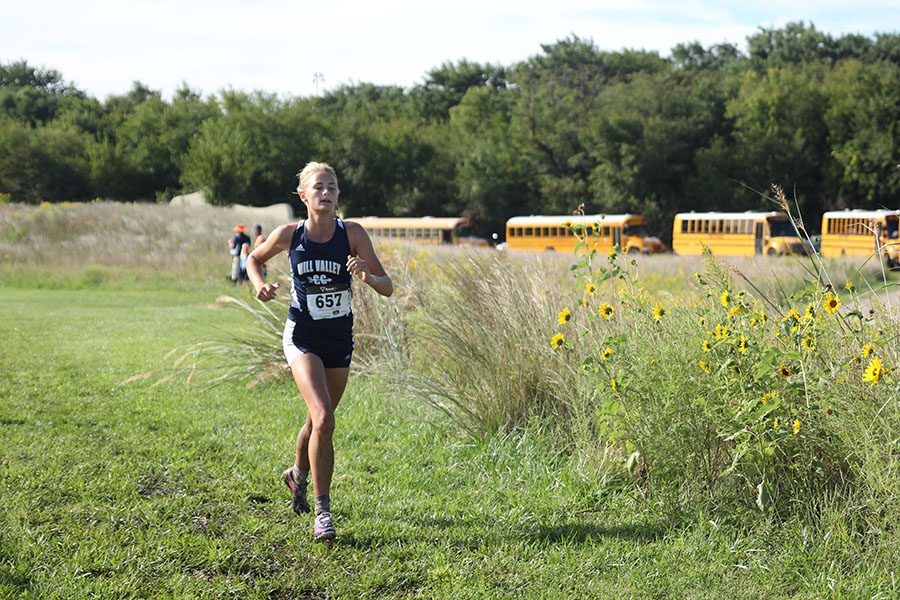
(325, 252)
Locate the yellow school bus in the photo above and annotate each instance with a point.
(627, 231)
(862, 233)
(736, 234)
(423, 230)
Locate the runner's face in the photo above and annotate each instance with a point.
(321, 192)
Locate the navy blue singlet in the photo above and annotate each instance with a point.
(320, 285)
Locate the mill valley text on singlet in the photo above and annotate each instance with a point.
(320, 289)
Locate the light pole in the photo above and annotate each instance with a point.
(317, 77)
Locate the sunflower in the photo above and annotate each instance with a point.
(707, 347)
(704, 366)
(564, 316)
(607, 352)
(792, 315)
(867, 350)
(741, 345)
(589, 289)
(810, 314)
(658, 312)
(796, 426)
(764, 399)
(734, 310)
(557, 341)
(701, 321)
(831, 304)
(849, 286)
(875, 371)
(775, 423)
(808, 343)
(606, 310)
(614, 384)
(784, 371)
(725, 298)
(721, 332)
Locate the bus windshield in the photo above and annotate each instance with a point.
(640, 230)
(892, 227)
(462, 231)
(781, 228)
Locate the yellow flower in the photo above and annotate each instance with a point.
(557, 341)
(606, 310)
(568, 224)
(612, 254)
(589, 289)
(564, 316)
(724, 298)
(810, 312)
(766, 397)
(721, 332)
(734, 310)
(607, 352)
(741, 345)
(849, 286)
(867, 350)
(658, 313)
(809, 343)
(784, 371)
(775, 423)
(704, 366)
(584, 303)
(701, 322)
(753, 322)
(707, 347)
(832, 304)
(791, 314)
(796, 426)
(875, 371)
(614, 384)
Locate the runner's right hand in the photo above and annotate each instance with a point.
(267, 291)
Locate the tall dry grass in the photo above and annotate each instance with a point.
(183, 240)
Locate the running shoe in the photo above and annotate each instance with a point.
(298, 491)
(323, 528)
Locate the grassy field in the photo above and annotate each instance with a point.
(119, 482)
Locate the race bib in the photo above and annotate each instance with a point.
(328, 301)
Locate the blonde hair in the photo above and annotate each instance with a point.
(311, 169)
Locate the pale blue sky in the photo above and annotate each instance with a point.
(278, 45)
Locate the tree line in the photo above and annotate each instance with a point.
(706, 128)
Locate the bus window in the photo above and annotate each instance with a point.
(545, 231)
(446, 236)
(529, 231)
(635, 230)
(684, 226)
(781, 228)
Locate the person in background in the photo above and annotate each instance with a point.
(326, 253)
(260, 237)
(235, 245)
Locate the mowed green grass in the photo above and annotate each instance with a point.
(116, 488)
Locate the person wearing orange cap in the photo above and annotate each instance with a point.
(235, 244)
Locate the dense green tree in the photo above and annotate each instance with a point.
(32, 95)
(251, 153)
(493, 180)
(780, 137)
(445, 86)
(558, 96)
(863, 120)
(43, 163)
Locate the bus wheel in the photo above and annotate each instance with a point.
(771, 252)
(634, 250)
